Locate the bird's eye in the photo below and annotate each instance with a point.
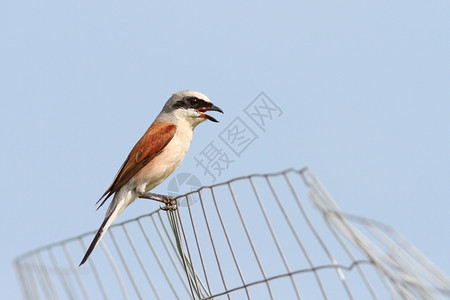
(193, 100)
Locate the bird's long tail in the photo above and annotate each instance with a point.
(119, 203)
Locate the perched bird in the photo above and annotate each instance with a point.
(155, 156)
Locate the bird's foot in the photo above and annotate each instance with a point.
(169, 202)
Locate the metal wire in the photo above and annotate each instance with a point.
(267, 236)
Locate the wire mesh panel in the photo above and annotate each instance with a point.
(271, 236)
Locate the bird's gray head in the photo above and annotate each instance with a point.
(190, 106)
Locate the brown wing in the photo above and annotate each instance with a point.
(157, 136)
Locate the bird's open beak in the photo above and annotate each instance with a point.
(211, 108)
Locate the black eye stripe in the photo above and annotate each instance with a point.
(192, 102)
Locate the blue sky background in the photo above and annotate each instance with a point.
(364, 90)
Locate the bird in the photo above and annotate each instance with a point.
(155, 156)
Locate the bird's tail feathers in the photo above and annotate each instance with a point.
(115, 208)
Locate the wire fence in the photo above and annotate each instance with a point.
(269, 236)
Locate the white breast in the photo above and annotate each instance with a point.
(165, 162)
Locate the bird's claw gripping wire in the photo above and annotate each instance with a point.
(169, 202)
